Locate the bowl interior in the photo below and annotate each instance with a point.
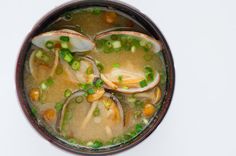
(136, 15)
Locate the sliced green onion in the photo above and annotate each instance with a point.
(116, 44)
(45, 84)
(149, 45)
(125, 87)
(120, 78)
(99, 83)
(143, 83)
(65, 38)
(131, 99)
(138, 128)
(66, 55)
(139, 104)
(107, 104)
(49, 44)
(149, 74)
(39, 54)
(96, 11)
(79, 99)
(75, 65)
(133, 49)
(42, 56)
(34, 111)
(89, 70)
(100, 67)
(95, 144)
(96, 112)
(58, 106)
(108, 44)
(116, 65)
(73, 141)
(90, 91)
(67, 93)
(142, 43)
(64, 45)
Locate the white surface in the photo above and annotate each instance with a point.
(201, 119)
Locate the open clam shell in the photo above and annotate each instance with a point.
(78, 42)
(81, 76)
(115, 104)
(131, 78)
(156, 44)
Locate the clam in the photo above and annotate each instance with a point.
(44, 67)
(131, 77)
(77, 43)
(82, 75)
(156, 44)
(111, 112)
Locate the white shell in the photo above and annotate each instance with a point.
(79, 42)
(156, 43)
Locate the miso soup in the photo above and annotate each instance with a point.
(95, 78)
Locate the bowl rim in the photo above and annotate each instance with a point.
(77, 4)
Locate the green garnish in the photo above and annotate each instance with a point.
(89, 70)
(100, 67)
(96, 112)
(143, 83)
(58, 106)
(116, 44)
(99, 83)
(142, 43)
(49, 44)
(139, 104)
(149, 45)
(75, 65)
(149, 74)
(39, 54)
(120, 78)
(116, 65)
(45, 84)
(90, 91)
(34, 111)
(125, 87)
(133, 49)
(108, 44)
(72, 141)
(138, 128)
(65, 38)
(66, 55)
(96, 144)
(67, 93)
(96, 11)
(64, 45)
(79, 99)
(107, 104)
(131, 99)
(42, 56)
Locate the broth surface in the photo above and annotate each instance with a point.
(100, 130)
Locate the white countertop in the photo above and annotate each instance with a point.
(201, 118)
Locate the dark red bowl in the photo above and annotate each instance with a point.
(139, 17)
